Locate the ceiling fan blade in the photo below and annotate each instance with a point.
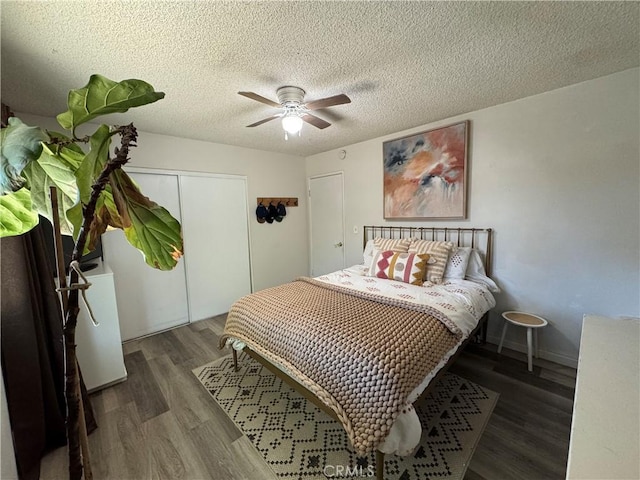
(259, 98)
(328, 102)
(265, 120)
(315, 121)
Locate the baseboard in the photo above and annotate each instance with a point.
(559, 358)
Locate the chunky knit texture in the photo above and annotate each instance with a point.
(360, 354)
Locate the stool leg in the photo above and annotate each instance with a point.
(504, 332)
(530, 361)
(379, 465)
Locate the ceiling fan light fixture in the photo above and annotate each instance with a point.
(293, 111)
(292, 123)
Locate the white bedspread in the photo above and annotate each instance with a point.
(463, 301)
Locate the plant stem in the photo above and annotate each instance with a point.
(128, 138)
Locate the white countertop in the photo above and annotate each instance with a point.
(605, 430)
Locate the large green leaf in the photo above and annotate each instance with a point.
(147, 226)
(16, 215)
(74, 217)
(55, 168)
(93, 162)
(60, 164)
(102, 96)
(21, 144)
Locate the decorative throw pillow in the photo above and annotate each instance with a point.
(394, 244)
(438, 250)
(457, 264)
(403, 267)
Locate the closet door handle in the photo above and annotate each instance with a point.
(337, 245)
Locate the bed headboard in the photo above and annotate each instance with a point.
(480, 238)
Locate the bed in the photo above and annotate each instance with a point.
(366, 342)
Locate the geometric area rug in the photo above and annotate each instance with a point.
(300, 441)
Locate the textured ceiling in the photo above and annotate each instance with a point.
(403, 64)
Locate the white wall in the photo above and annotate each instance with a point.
(279, 251)
(557, 176)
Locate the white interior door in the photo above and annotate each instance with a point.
(216, 242)
(326, 202)
(149, 300)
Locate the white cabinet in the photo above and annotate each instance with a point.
(99, 348)
(605, 429)
(215, 270)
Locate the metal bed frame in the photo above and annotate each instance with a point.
(461, 237)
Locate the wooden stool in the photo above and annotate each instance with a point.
(529, 321)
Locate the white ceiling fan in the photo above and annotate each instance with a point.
(293, 109)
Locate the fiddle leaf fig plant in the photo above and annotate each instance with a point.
(33, 160)
(93, 194)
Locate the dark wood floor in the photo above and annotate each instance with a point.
(161, 424)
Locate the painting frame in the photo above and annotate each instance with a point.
(425, 174)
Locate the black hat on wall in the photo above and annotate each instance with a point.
(282, 211)
(261, 213)
(273, 213)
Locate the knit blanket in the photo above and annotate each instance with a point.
(360, 354)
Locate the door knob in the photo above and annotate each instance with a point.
(339, 244)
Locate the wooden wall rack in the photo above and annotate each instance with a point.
(287, 201)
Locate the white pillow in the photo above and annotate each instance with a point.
(476, 272)
(369, 251)
(457, 264)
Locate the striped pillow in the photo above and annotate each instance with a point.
(403, 267)
(439, 251)
(394, 244)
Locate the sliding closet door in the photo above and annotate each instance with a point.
(216, 240)
(149, 300)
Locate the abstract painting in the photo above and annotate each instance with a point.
(425, 175)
